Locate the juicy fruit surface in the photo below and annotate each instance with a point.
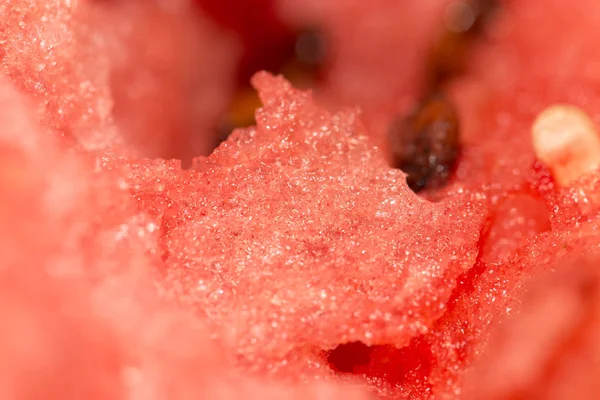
(378, 48)
(131, 74)
(167, 91)
(81, 309)
(556, 329)
(301, 217)
(508, 86)
(292, 262)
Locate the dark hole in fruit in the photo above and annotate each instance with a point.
(407, 366)
(348, 356)
(426, 144)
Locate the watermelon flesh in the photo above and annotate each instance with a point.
(556, 329)
(139, 83)
(292, 262)
(167, 94)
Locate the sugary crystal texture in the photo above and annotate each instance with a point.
(80, 312)
(296, 236)
(292, 262)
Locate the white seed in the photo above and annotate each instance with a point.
(566, 140)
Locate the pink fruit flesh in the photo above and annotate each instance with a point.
(292, 262)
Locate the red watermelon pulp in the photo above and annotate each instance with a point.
(293, 261)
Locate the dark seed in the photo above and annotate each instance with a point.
(310, 53)
(311, 47)
(426, 144)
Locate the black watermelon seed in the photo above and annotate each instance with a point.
(426, 144)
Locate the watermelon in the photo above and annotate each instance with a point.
(294, 261)
(549, 349)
